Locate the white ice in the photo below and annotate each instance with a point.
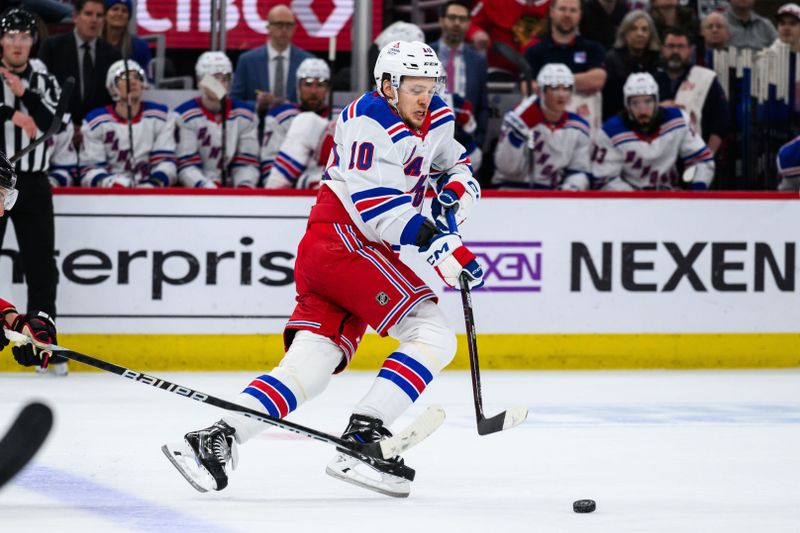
(658, 451)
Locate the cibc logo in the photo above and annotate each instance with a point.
(509, 266)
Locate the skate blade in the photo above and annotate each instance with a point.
(349, 470)
(182, 458)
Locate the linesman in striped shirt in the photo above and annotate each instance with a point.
(27, 108)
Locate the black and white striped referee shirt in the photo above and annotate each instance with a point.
(39, 102)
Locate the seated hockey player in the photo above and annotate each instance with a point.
(201, 124)
(306, 146)
(348, 276)
(35, 324)
(640, 147)
(105, 156)
(542, 145)
(313, 80)
(789, 166)
(63, 156)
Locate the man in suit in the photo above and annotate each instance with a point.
(465, 68)
(271, 86)
(83, 55)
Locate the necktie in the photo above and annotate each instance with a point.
(87, 72)
(278, 86)
(451, 71)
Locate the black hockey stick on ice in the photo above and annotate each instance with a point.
(24, 439)
(507, 419)
(409, 437)
(55, 126)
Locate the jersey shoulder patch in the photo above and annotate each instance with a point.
(189, 110)
(575, 121)
(98, 116)
(155, 111)
(284, 112)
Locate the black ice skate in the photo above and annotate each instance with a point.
(381, 477)
(206, 456)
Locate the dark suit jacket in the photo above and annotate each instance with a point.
(252, 73)
(60, 54)
(475, 65)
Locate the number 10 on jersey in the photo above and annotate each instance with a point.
(361, 155)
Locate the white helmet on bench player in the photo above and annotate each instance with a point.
(555, 75)
(315, 68)
(117, 71)
(213, 63)
(640, 84)
(401, 58)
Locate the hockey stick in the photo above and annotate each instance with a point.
(24, 439)
(129, 108)
(58, 116)
(509, 418)
(409, 437)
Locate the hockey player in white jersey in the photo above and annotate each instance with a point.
(201, 123)
(63, 156)
(313, 79)
(304, 150)
(542, 145)
(639, 148)
(105, 156)
(387, 145)
(789, 166)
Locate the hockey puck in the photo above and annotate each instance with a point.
(584, 506)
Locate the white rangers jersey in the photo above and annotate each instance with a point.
(300, 162)
(535, 153)
(63, 156)
(380, 168)
(789, 166)
(276, 125)
(626, 160)
(105, 150)
(199, 151)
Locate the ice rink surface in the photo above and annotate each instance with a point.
(658, 451)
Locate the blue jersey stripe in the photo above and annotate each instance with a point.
(379, 209)
(372, 193)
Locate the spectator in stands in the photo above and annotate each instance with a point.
(789, 26)
(694, 89)
(201, 124)
(636, 49)
(83, 55)
(515, 23)
(564, 45)
(116, 32)
(670, 14)
(748, 28)
(716, 32)
(132, 143)
(465, 68)
(277, 83)
(282, 164)
(600, 20)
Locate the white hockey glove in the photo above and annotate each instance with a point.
(460, 193)
(448, 255)
(117, 180)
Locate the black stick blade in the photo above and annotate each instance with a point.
(505, 420)
(24, 439)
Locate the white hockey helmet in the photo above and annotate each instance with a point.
(640, 84)
(313, 67)
(401, 58)
(399, 31)
(212, 63)
(555, 75)
(117, 71)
